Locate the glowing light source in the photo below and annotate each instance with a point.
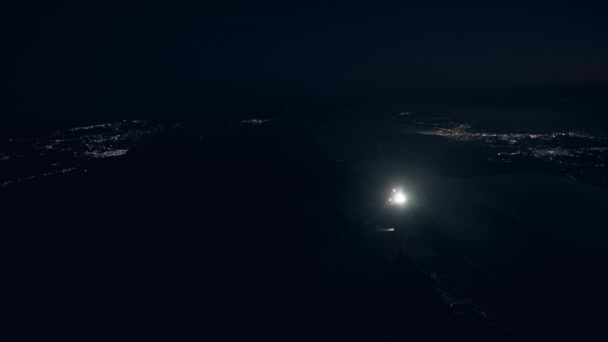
(400, 198)
(397, 197)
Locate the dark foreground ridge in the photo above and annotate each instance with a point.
(235, 238)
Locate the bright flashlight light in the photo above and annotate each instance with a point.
(397, 198)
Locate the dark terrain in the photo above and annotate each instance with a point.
(277, 230)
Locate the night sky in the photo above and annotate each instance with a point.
(152, 56)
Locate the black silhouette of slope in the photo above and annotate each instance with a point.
(236, 237)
